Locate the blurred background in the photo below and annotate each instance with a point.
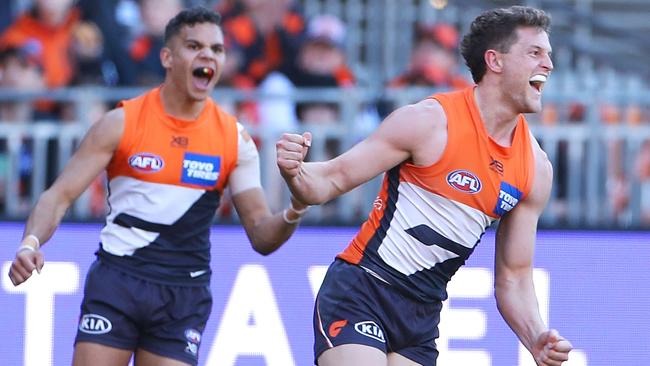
(336, 68)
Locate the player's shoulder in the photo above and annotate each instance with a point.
(541, 158)
(424, 114)
(115, 115)
(110, 126)
(542, 164)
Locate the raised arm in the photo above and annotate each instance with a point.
(266, 231)
(406, 134)
(93, 155)
(514, 288)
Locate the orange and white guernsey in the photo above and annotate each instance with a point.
(165, 181)
(426, 221)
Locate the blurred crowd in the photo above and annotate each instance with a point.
(271, 47)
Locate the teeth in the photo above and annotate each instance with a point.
(203, 71)
(538, 78)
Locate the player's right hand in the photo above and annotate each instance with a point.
(24, 264)
(551, 349)
(291, 150)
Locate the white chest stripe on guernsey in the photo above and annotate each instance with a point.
(453, 220)
(120, 240)
(153, 202)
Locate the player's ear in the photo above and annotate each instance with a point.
(166, 57)
(494, 60)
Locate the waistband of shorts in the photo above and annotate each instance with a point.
(128, 266)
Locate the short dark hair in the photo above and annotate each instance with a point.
(495, 29)
(190, 17)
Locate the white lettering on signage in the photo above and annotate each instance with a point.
(251, 298)
(251, 324)
(56, 278)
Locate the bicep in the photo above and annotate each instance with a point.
(246, 174)
(515, 240)
(392, 143)
(92, 156)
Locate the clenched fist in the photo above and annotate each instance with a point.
(291, 151)
(551, 349)
(24, 264)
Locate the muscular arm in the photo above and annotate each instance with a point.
(514, 288)
(416, 132)
(93, 155)
(266, 231)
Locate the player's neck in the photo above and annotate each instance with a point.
(178, 104)
(498, 117)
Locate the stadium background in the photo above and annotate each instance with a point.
(592, 253)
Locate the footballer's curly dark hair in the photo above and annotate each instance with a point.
(496, 29)
(190, 17)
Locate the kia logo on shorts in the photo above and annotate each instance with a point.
(370, 329)
(464, 181)
(95, 324)
(146, 162)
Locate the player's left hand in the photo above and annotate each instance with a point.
(551, 349)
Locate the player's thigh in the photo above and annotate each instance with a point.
(94, 354)
(395, 359)
(352, 355)
(146, 358)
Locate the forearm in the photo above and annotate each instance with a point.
(271, 232)
(315, 184)
(46, 216)
(518, 305)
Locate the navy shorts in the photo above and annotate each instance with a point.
(127, 312)
(355, 307)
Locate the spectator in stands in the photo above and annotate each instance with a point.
(268, 33)
(47, 29)
(20, 70)
(642, 167)
(434, 59)
(87, 48)
(321, 63)
(117, 20)
(145, 49)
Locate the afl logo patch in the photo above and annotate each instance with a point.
(464, 181)
(146, 162)
(94, 324)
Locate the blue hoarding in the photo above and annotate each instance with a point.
(592, 286)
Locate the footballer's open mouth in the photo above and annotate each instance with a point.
(202, 76)
(537, 82)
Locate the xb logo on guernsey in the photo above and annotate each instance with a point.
(202, 170)
(464, 181)
(146, 162)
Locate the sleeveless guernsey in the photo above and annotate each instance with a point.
(165, 181)
(426, 221)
